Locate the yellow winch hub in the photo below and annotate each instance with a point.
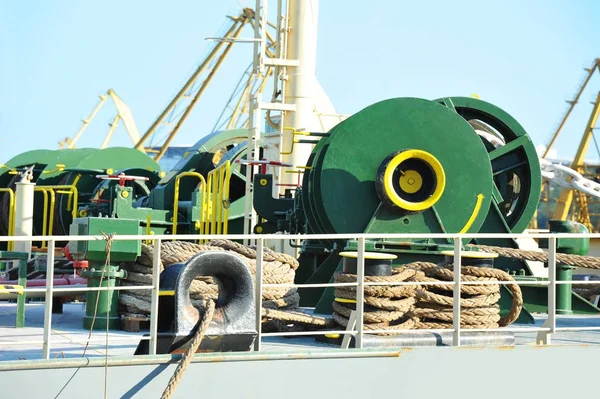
(425, 180)
(411, 181)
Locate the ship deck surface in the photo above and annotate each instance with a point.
(68, 337)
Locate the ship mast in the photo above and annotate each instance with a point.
(293, 95)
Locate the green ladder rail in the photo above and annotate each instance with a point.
(22, 257)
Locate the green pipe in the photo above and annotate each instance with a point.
(564, 293)
(102, 307)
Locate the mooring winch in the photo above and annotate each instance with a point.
(233, 325)
(410, 165)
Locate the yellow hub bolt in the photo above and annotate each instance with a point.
(411, 181)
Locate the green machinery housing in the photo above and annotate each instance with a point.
(402, 165)
(409, 165)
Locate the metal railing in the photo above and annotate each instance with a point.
(215, 202)
(202, 184)
(544, 332)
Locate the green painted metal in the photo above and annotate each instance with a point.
(22, 281)
(345, 171)
(564, 291)
(517, 159)
(103, 269)
(573, 246)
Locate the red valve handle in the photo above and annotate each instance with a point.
(122, 178)
(264, 163)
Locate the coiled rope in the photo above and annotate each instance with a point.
(589, 262)
(279, 303)
(428, 306)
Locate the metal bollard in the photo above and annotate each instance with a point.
(233, 325)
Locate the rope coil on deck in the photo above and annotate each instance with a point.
(279, 303)
(589, 262)
(428, 306)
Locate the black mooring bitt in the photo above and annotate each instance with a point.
(233, 327)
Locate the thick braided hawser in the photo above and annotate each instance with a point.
(426, 306)
(589, 262)
(278, 303)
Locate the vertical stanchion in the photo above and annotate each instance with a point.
(260, 249)
(456, 292)
(154, 299)
(21, 299)
(49, 298)
(360, 291)
(552, 286)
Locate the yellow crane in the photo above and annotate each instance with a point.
(193, 89)
(123, 113)
(564, 202)
(177, 111)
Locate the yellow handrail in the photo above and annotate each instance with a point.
(11, 215)
(216, 201)
(48, 215)
(176, 199)
(47, 221)
(294, 140)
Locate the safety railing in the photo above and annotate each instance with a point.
(176, 199)
(215, 202)
(358, 331)
(49, 193)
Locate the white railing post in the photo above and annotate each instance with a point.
(154, 299)
(552, 285)
(260, 249)
(456, 292)
(49, 298)
(360, 292)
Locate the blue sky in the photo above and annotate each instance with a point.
(58, 56)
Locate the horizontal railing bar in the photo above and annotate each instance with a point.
(81, 289)
(312, 285)
(150, 237)
(508, 329)
(70, 340)
(577, 328)
(300, 333)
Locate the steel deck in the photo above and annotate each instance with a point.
(68, 338)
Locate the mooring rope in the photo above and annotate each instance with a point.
(189, 353)
(589, 262)
(428, 306)
(279, 303)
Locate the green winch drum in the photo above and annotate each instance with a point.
(404, 165)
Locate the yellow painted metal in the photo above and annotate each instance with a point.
(595, 65)
(59, 168)
(123, 113)
(203, 87)
(294, 139)
(111, 131)
(11, 215)
(438, 172)
(411, 181)
(70, 143)
(227, 42)
(176, 199)
(561, 211)
(471, 254)
(476, 210)
(48, 214)
(344, 300)
(216, 200)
